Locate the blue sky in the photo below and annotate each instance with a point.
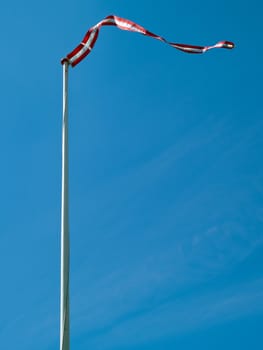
(166, 194)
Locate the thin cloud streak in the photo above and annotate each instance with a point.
(183, 315)
(194, 238)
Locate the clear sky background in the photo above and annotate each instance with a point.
(166, 177)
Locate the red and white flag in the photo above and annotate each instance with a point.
(89, 40)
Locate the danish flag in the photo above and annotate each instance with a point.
(89, 40)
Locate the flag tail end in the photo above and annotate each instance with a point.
(228, 45)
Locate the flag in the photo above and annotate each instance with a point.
(89, 40)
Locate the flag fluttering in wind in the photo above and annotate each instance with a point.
(89, 40)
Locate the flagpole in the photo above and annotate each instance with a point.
(74, 57)
(64, 288)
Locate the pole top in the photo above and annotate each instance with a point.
(64, 61)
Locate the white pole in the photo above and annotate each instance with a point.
(64, 291)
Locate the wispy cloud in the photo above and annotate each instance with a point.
(163, 288)
(181, 315)
(153, 278)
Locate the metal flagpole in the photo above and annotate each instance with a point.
(64, 291)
